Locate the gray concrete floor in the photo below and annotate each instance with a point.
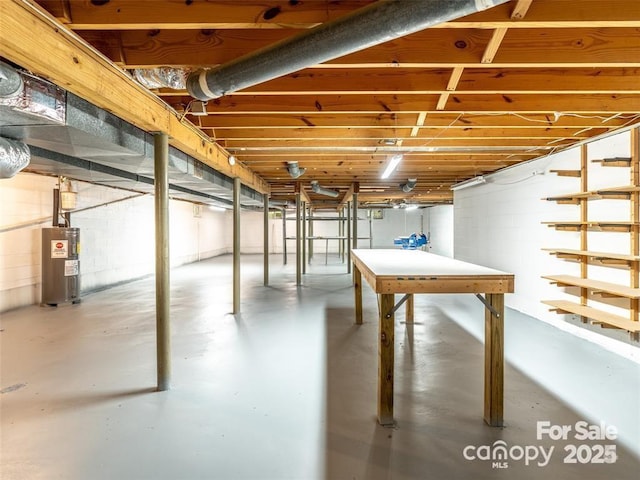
(286, 390)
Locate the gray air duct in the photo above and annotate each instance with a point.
(410, 185)
(294, 170)
(161, 77)
(374, 24)
(11, 84)
(323, 191)
(14, 156)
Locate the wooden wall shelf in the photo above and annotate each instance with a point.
(614, 162)
(601, 226)
(598, 258)
(612, 193)
(592, 290)
(597, 316)
(595, 285)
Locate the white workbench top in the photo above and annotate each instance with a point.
(416, 263)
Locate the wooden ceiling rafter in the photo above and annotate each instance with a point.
(465, 97)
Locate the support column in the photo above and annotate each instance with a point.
(265, 200)
(163, 297)
(358, 294)
(494, 360)
(409, 309)
(355, 220)
(236, 245)
(304, 237)
(298, 241)
(284, 236)
(348, 237)
(310, 234)
(385, 360)
(355, 223)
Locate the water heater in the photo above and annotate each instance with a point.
(60, 265)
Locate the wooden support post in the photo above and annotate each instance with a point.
(265, 201)
(358, 294)
(409, 310)
(635, 230)
(236, 245)
(348, 237)
(163, 293)
(298, 240)
(584, 217)
(494, 360)
(304, 237)
(385, 360)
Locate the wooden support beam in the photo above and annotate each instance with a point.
(409, 309)
(493, 45)
(76, 67)
(520, 10)
(422, 116)
(385, 359)
(494, 360)
(584, 217)
(432, 48)
(348, 195)
(250, 14)
(357, 284)
(634, 237)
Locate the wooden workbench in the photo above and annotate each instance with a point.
(412, 271)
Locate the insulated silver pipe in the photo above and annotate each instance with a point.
(374, 24)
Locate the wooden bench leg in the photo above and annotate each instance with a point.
(385, 360)
(357, 278)
(409, 311)
(494, 361)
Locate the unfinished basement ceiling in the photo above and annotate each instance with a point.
(464, 98)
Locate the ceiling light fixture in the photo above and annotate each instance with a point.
(469, 183)
(232, 160)
(391, 166)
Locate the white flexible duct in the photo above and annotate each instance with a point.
(14, 156)
(315, 186)
(294, 170)
(161, 77)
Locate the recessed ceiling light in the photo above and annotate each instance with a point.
(232, 160)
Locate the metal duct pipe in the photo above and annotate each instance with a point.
(14, 156)
(294, 170)
(374, 24)
(11, 84)
(410, 185)
(161, 77)
(323, 191)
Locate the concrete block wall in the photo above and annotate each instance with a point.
(116, 238)
(499, 224)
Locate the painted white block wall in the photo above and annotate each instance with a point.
(498, 224)
(440, 227)
(117, 239)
